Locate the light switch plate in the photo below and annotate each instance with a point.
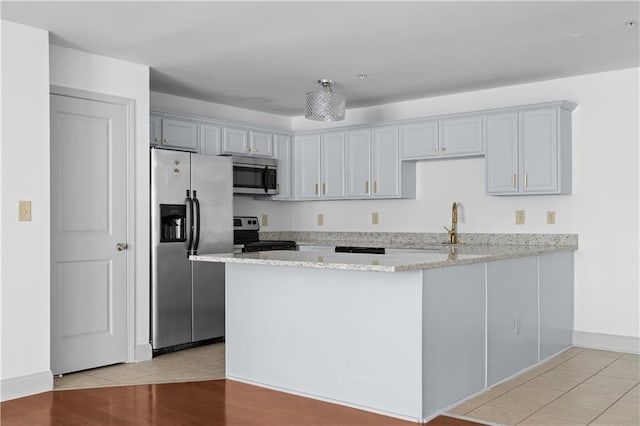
(265, 220)
(519, 217)
(375, 219)
(320, 219)
(551, 217)
(24, 211)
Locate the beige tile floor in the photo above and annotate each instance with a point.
(201, 363)
(577, 387)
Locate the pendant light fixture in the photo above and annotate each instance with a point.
(324, 104)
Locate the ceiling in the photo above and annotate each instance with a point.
(265, 55)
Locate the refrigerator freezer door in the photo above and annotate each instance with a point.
(170, 267)
(211, 179)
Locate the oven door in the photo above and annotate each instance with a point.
(256, 179)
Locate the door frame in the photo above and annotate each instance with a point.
(129, 105)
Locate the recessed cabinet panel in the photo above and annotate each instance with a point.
(260, 143)
(210, 139)
(358, 153)
(502, 153)
(307, 155)
(332, 151)
(419, 140)
(283, 155)
(235, 141)
(179, 133)
(539, 148)
(512, 317)
(386, 162)
(461, 136)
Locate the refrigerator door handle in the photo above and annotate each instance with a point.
(190, 240)
(197, 238)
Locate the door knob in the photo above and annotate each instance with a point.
(122, 246)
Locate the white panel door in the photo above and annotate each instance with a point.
(461, 136)
(501, 134)
(539, 150)
(209, 139)
(88, 222)
(419, 140)
(283, 154)
(386, 162)
(179, 134)
(332, 165)
(234, 141)
(358, 153)
(307, 152)
(261, 143)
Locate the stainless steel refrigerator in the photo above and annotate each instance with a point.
(191, 212)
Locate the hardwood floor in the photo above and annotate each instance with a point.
(215, 402)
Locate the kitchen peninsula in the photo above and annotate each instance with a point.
(406, 333)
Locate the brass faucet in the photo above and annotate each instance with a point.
(453, 233)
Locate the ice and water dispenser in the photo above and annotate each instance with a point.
(173, 223)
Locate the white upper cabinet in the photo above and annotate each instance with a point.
(419, 140)
(529, 150)
(283, 155)
(307, 167)
(210, 139)
(173, 133)
(461, 136)
(260, 143)
(358, 155)
(386, 162)
(332, 162)
(235, 141)
(502, 152)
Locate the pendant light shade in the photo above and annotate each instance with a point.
(324, 104)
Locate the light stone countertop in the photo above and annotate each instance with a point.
(397, 260)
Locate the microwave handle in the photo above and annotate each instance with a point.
(265, 181)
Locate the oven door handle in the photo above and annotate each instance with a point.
(196, 242)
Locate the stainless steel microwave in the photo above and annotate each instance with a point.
(253, 175)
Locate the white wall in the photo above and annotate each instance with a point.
(84, 71)
(603, 208)
(24, 175)
(178, 104)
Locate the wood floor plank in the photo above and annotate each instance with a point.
(215, 402)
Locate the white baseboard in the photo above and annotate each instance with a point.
(609, 342)
(17, 387)
(143, 352)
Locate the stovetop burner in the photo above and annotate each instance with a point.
(245, 235)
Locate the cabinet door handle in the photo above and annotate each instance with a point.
(443, 149)
(366, 186)
(516, 326)
(156, 139)
(526, 180)
(166, 140)
(278, 188)
(316, 189)
(324, 188)
(434, 149)
(513, 181)
(375, 186)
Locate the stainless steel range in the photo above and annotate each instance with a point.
(246, 237)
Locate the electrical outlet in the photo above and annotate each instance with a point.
(519, 217)
(320, 219)
(375, 218)
(265, 220)
(551, 217)
(24, 211)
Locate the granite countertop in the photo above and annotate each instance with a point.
(395, 260)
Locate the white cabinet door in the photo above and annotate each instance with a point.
(419, 140)
(261, 143)
(461, 136)
(283, 155)
(210, 139)
(358, 154)
(501, 134)
(332, 163)
(179, 134)
(539, 150)
(386, 162)
(307, 154)
(155, 130)
(235, 141)
(512, 317)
